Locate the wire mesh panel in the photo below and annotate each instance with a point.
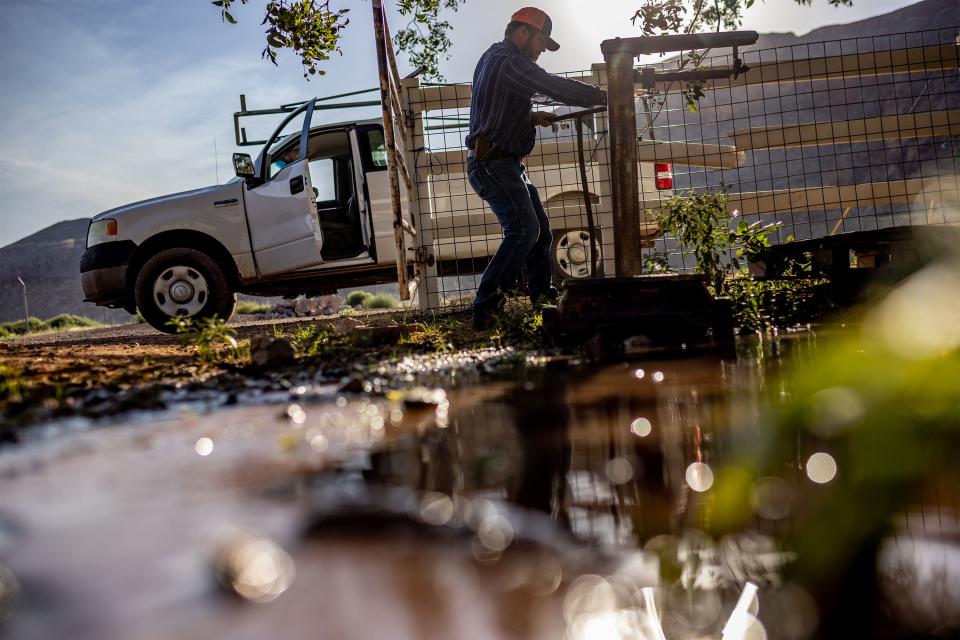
(825, 138)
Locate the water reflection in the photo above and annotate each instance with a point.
(9, 593)
(645, 458)
(254, 568)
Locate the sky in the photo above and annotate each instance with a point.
(106, 102)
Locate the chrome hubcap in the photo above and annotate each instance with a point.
(180, 291)
(574, 252)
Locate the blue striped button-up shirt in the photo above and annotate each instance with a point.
(503, 83)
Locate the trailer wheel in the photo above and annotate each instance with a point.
(572, 253)
(184, 283)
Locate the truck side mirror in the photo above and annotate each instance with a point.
(243, 165)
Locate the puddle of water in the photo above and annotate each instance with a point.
(563, 501)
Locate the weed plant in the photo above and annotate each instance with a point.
(212, 338)
(700, 224)
(12, 384)
(519, 324)
(434, 335)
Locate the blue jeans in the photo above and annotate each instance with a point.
(526, 232)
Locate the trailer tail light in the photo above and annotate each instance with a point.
(664, 175)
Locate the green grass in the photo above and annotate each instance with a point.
(212, 338)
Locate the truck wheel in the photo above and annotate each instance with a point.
(572, 254)
(182, 283)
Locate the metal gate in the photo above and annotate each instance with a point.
(826, 138)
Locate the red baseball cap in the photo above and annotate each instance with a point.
(538, 20)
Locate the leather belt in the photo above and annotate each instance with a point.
(485, 150)
(496, 154)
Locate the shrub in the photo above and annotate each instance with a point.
(252, 307)
(762, 304)
(381, 301)
(699, 223)
(361, 297)
(69, 321)
(19, 327)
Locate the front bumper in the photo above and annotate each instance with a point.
(103, 273)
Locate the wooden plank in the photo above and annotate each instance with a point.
(691, 154)
(945, 189)
(894, 127)
(400, 161)
(918, 59)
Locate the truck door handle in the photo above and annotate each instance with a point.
(296, 185)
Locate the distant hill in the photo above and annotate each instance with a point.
(49, 263)
(927, 14)
(921, 16)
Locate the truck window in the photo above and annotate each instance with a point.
(276, 166)
(378, 148)
(324, 179)
(373, 148)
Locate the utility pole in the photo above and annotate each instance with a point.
(26, 309)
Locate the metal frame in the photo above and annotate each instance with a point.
(619, 55)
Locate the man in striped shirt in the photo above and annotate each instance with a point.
(502, 132)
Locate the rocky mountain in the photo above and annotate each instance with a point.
(49, 263)
(927, 14)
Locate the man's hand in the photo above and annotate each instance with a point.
(541, 118)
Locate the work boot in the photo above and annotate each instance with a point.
(484, 320)
(486, 316)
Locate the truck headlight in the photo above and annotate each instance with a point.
(102, 231)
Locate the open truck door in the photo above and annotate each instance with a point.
(285, 232)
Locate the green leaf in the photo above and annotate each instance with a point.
(230, 18)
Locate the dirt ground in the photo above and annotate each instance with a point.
(121, 356)
(50, 369)
(60, 374)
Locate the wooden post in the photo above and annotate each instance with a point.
(623, 158)
(390, 144)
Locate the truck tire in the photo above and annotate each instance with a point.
(182, 282)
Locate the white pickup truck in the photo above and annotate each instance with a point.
(311, 214)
